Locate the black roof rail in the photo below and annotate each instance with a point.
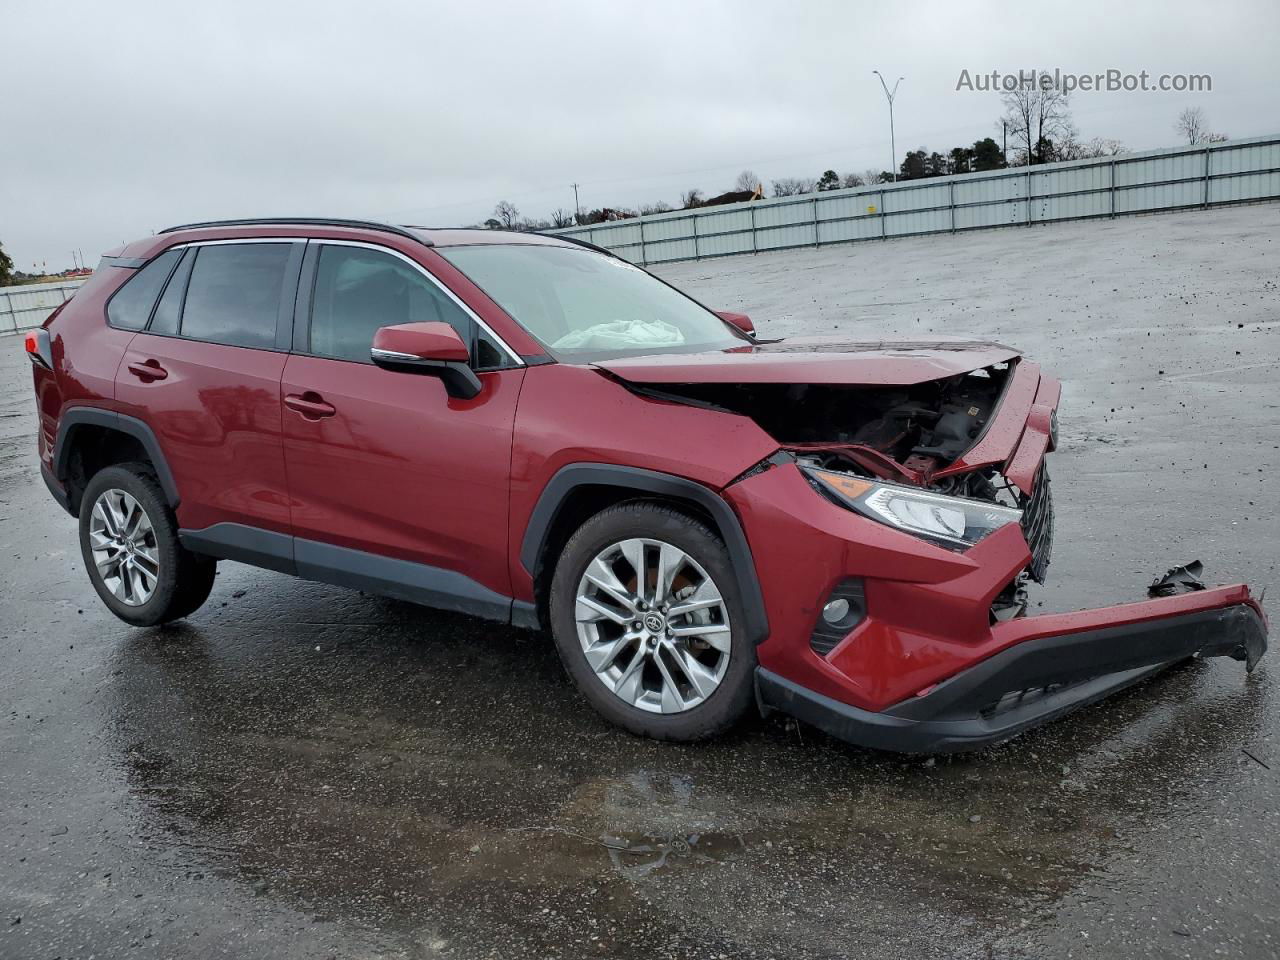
(579, 242)
(306, 221)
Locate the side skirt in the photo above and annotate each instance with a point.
(355, 569)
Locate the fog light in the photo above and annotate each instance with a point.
(836, 610)
(845, 608)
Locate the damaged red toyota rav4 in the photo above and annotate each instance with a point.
(538, 432)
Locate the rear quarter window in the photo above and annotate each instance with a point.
(165, 318)
(130, 307)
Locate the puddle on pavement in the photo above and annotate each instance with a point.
(428, 770)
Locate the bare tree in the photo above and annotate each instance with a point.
(561, 218)
(747, 181)
(1072, 149)
(1037, 118)
(507, 214)
(1191, 125)
(691, 198)
(852, 180)
(1195, 128)
(791, 186)
(872, 176)
(660, 206)
(1107, 147)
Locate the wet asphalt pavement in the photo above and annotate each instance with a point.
(302, 771)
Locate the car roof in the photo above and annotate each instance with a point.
(431, 236)
(331, 228)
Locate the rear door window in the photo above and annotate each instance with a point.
(235, 293)
(130, 307)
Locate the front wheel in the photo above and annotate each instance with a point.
(649, 624)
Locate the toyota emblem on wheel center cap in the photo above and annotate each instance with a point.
(654, 623)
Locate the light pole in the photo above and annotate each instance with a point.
(893, 146)
(577, 207)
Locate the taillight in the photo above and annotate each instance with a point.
(38, 349)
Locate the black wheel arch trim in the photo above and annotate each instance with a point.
(575, 475)
(131, 426)
(56, 489)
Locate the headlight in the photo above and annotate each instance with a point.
(950, 521)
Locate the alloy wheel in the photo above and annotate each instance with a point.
(653, 625)
(123, 544)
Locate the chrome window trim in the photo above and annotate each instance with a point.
(325, 241)
(234, 240)
(392, 354)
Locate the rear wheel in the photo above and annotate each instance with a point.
(648, 623)
(129, 541)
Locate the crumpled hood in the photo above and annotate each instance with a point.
(814, 360)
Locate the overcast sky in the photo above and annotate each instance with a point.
(123, 118)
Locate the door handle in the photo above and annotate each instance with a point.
(148, 370)
(310, 405)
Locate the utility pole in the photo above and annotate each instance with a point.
(1004, 147)
(893, 146)
(577, 207)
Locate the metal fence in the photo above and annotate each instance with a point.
(22, 308)
(1234, 171)
(1179, 178)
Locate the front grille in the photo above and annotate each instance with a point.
(1025, 698)
(1037, 524)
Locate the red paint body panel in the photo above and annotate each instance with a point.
(928, 610)
(86, 374)
(739, 320)
(216, 415)
(427, 341)
(571, 414)
(816, 361)
(1049, 393)
(401, 468)
(1004, 431)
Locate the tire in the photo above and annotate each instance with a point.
(670, 697)
(179, 580)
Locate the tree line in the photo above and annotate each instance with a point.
(1036, 127)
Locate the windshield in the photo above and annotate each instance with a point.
(586, 306)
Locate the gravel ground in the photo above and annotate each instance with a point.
(301, 771)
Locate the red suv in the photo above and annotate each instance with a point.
(530, 429)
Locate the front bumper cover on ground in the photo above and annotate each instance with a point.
(1027, 684)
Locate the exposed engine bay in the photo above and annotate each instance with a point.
(901, 434)
(904, 433)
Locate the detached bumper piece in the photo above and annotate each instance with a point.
(1027, 684)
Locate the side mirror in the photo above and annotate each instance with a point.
(431, 348)
(739, 320)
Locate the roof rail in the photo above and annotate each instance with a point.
(307, 221)
(581, 243)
